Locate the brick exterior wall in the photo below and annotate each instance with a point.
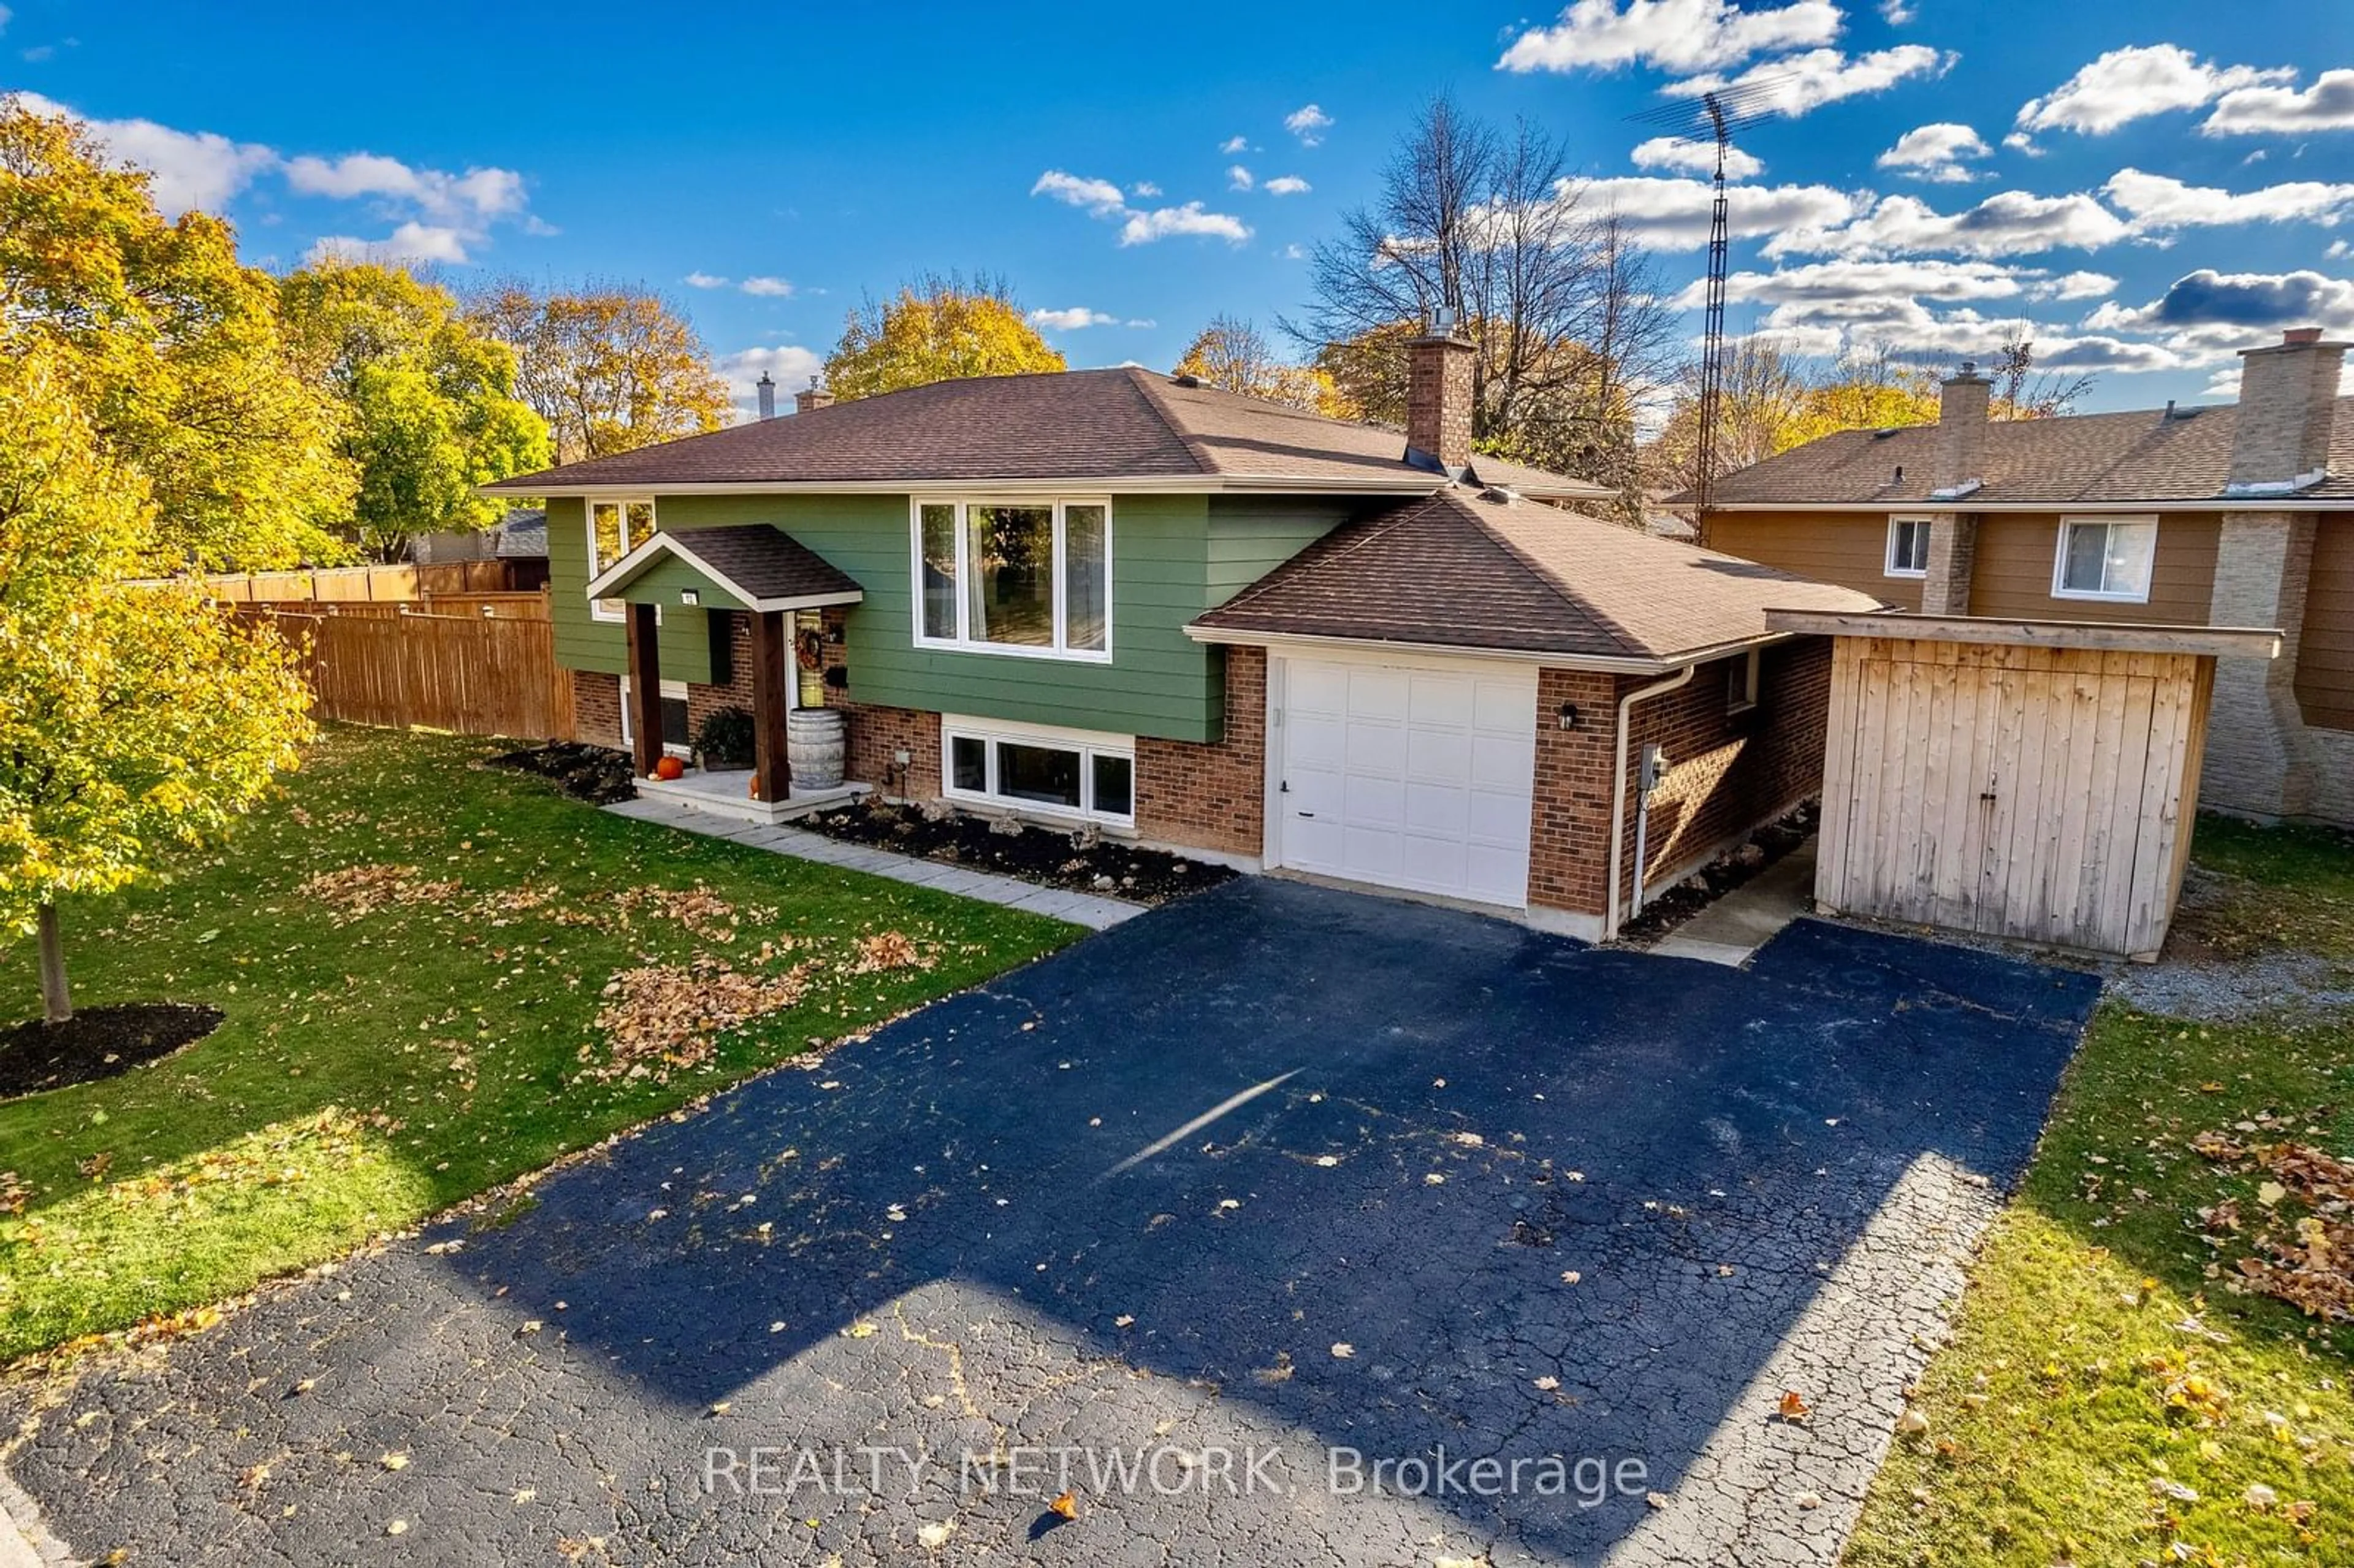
(1728, 772)
(1212, 797)
(597, 708)
(2257, 759)
(874, 734)
(1569, 822)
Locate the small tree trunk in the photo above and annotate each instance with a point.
(57, 1001)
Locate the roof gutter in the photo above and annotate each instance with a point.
(1406, 481)
(1605, 665)
(2071, 508)
(1619, 786)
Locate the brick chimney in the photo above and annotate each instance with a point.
(1439, 396)
(2289, 406)
(811, 398)
(767, 391)
(1962, 401)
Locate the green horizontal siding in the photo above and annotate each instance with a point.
(583, 642)
(1172, 557)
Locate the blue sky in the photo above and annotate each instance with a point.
(2152, 184)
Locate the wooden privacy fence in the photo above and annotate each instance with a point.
(363, 585)
(473, 674)
(530, 606)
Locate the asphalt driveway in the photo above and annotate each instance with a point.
(1202, 1220)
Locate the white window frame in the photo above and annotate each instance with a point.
(670, 689)
(1888, 557)
(597, 610)
(964, 641)
(1741, 682)
(2068, 526)
(1089, 744)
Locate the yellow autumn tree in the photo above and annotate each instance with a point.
(609, 368)
(1232, 354)
(935, 329)
(171, 351)
(132, 717)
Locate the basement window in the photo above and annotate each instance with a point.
(1908, 547)
(1036, 768)
(674, 715)
(2106, 558)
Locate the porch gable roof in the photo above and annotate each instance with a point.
(747, 566)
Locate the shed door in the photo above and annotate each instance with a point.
(1411, 775)
(2019, 791)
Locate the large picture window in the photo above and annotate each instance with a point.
(1059, 772)
(2106, 558)
(1015, 576)
(615, 528)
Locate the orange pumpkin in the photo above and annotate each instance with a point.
(669, 768)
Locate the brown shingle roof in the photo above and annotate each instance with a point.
(1080, 425)
(1463, 571)
(2074, 458)
(758, 563)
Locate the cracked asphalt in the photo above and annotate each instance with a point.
(1271, 1172)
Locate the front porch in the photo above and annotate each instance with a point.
(729, 792)
(768, 578)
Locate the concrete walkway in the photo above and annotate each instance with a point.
(1086, 909)
(1729, 930)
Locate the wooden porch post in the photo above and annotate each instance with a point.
(772, 772)
(645, 691)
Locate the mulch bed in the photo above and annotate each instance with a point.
(1667, 909)
(1079, 860)
(97, 1042)
(596, 774)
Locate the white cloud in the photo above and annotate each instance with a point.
(2326, 105)
(2247, 306)
(1238, 178)
(1144, 227)
(2073, 286)
(703, 280)
(1797, 83)
(410, 242)
(1286, 185)
(2339, 248)
(1673, 215)
(2160, 203)
(2129, 84)
(475, 196)
(1896, 13)
(1144, 188)
(1073, 319)
(1833, 286)
(191, 168)
(1678, 37)
(1683, 155)
(766, 288)
(1099, 196)
(1234, 144)
(2012, 223)
(1938, 152)
(1309, 124)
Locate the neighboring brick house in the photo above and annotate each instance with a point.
(2234, 515)
(1202, 621)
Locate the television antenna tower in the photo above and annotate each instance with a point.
(1714, 116)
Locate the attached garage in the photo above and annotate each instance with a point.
(2029, 779)
(1404, 772)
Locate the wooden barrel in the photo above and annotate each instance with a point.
(814, 745)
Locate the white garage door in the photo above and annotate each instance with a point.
(1408, 776)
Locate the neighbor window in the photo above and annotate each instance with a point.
(2102, 558)
(674, 716)
(1015, 576)
(1908, 547)
(1060, 772)
(615, 528)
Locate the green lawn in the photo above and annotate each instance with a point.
(400, 1039)
(2111, 1396)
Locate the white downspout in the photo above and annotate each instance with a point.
(1618, 785)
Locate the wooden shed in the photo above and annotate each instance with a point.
(2026, 778)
